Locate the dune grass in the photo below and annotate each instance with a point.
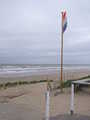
(18, 83)
(66, 83)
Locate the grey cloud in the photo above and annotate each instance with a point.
(30, 31)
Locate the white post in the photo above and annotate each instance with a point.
(47, 100)
(72, 100)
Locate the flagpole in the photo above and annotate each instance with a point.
(61, 65)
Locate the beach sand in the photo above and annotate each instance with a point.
(71, 74)
(27, 102)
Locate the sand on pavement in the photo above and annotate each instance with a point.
(31, 98)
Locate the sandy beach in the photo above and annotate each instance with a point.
(44, 53)
(69, 74)
(27, 102)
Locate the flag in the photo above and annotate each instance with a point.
(64, 21)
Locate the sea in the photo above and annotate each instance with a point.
(35, 69)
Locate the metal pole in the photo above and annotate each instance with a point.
(61, 73)
(72, 100)
(47, 100)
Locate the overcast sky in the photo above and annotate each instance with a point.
(30, 31)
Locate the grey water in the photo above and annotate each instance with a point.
(37, 68)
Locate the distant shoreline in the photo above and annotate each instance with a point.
(29, 70)
(44, 75)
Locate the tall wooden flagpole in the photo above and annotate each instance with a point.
(61, 65)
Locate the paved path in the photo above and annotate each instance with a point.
(18, 112)
(69, 117)
(10, 111)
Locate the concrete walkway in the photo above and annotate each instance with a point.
(10, 111)
(18, 112)
(69, 117)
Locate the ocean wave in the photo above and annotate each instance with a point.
(16, 69)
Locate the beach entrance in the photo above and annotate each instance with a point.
(79, 83)
(68, 103)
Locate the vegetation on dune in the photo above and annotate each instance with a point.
(13, 84)
(66, 83)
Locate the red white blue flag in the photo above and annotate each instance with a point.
(64, 21)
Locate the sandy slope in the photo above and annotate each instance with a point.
(32, 98)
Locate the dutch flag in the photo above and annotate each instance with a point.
(64, 21)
